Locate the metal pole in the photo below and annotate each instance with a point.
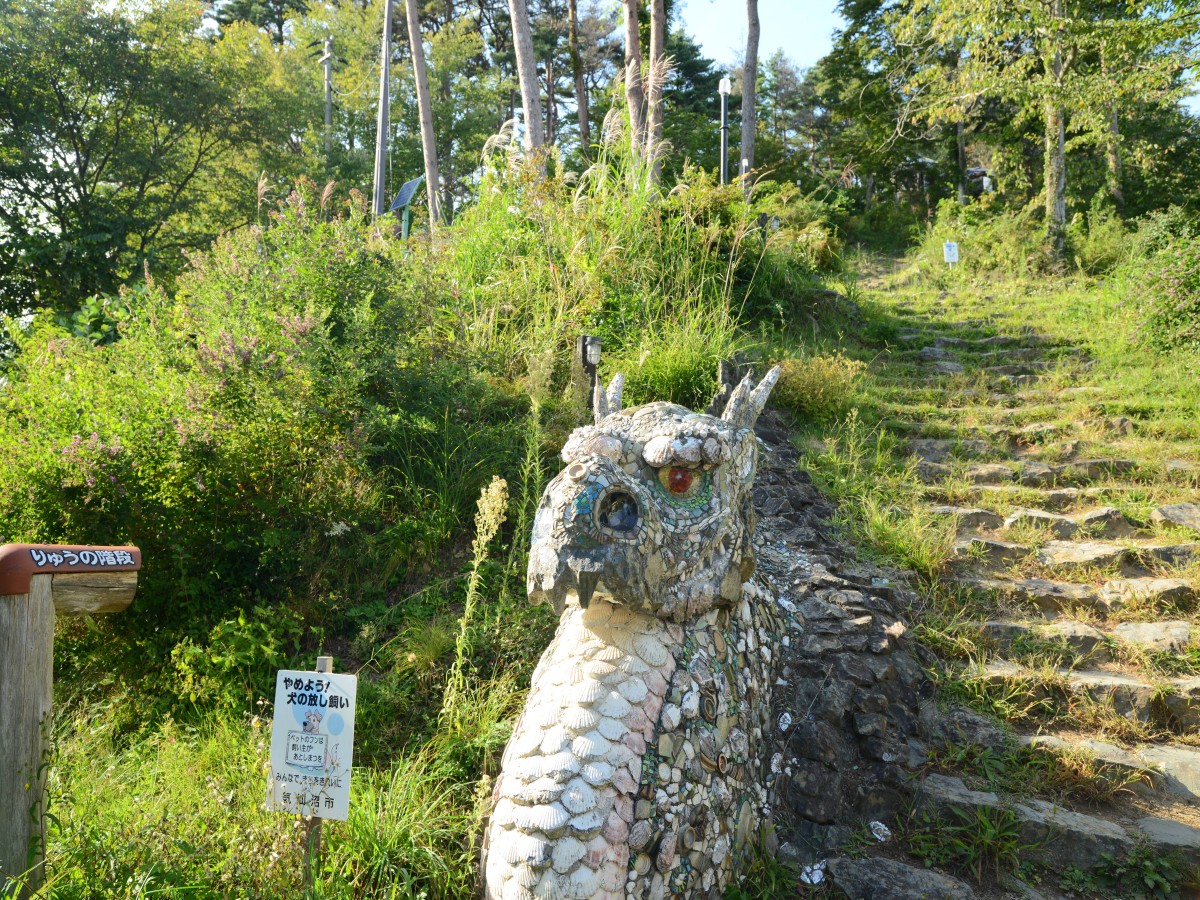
(327, 59)
(724, 138)
(381, 130)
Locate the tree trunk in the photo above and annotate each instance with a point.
(551, 103)
(1112, 145)
(658, 74)
(1056, 150)
(635, 95)
(960, 142)
(1112, 158)
(750, 83)
(1056, 177)
(425, 108)
(581, 92)
(531, 92)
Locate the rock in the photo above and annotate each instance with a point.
(947, 368)
(1063, 837)
(1178, 768)
(1157, 591)
(1168, 835)
(930, 472)
(888, 879)
(1126, 696)
(1036, 474)
(1095, 469)
(1082, 638)
(970, 518)
(1185, 515)
(1174, 555)
(1183, 703)
(1068, 556)
(1003, 633)
(939, 450)
(949, 342)
(989, 473)
(1117, 765)
(989, 551)
(1053, 595)
(1165, 637)
(1106, 522)
(1070, 838)
(1037, 432)
(935, 354)
(1180, 470)
(1060, 526)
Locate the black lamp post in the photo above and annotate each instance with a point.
(587, 347)
(726, 87)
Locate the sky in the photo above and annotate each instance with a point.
(803, 29)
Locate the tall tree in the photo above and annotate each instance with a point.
(750, 83)
(425, 110)
(1043, 57)
(635, 93)
(657, 78)
(531, 93)
(124, 138)
(581, 89)
(270, 15)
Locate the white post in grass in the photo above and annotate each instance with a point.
(38, 581)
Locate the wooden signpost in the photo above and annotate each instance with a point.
(38, 581)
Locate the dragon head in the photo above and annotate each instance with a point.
(653, 511)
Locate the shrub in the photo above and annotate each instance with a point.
(1168, 292)
(817, 387)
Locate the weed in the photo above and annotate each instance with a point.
(972, 840)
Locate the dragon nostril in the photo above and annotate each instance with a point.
(619, 512)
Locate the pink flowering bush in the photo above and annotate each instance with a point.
(1169, 294)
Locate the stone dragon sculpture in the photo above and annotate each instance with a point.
(637, 768)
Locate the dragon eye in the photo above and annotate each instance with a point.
(678, 481)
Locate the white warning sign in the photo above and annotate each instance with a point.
(312, 744)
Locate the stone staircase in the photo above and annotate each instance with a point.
(1077, 553)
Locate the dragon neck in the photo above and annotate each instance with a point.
(634, 768)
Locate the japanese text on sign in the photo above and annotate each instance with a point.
(312, 744)
(56, 558)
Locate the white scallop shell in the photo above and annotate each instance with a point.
(657, 452)
(592, 745)
(546, 818)
(596, 773)
(588, 692)
(578, 797)
(566, 853)
(614, 706)
(651, 650)
(612, 729)
(517, 848)
(633, 689)
(577, 718)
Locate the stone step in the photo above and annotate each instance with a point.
(969, 518)
(1037, 474)
(1072, 557)
(1118, 767)
(1052, 597)
(1050, 498)
(1168, 703)
(1169, 769)
(937, 450)
(1183, 515)
(1058, 836)
(1092, 644)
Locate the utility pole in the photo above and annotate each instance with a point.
(381, 132)
(327, 62)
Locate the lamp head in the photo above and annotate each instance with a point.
(726, 86)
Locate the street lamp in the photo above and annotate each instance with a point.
(726, 88)
(587, 349)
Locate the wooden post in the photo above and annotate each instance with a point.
(312, 825)
(36, 582)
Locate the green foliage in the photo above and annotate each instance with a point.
(974, 840)
(817, 387)
(1143, 874)
(1168, 293)
(237, 664)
